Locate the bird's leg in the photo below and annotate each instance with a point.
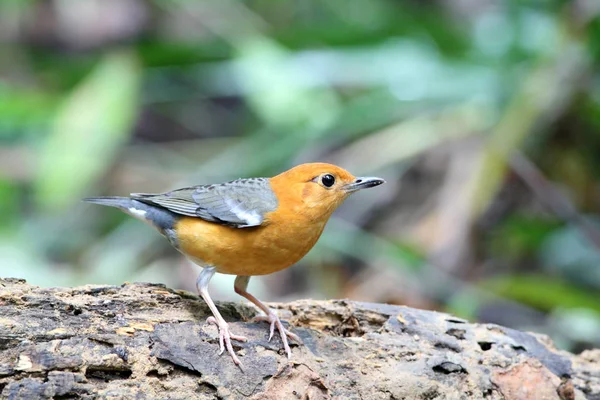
(240, 286)
(225, 335)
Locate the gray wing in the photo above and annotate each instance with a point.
(240, 203)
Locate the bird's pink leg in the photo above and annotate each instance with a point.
(240, 286)
(225, 336)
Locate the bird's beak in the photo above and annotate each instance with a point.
(362, 183)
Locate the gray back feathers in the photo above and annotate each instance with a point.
(240, 203)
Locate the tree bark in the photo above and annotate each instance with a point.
(146, 341)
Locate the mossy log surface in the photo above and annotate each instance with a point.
(146, 341)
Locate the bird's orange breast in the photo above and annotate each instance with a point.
(276, 245)
(284, 237)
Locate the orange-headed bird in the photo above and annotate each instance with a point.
(246, 227)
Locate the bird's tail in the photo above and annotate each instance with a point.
(159, 217)
(113, 201)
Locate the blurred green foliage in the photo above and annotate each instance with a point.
(483, 116)
(103, 106)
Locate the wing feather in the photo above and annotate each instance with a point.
(240, 203)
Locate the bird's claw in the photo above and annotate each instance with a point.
(225, 337)
(274, 320)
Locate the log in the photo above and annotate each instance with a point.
(146, 341)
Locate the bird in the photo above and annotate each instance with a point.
(246, 227)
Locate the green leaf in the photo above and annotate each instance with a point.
(24, 113)
(520, 236)
(542, 292)
(89, 128)
(277, 94)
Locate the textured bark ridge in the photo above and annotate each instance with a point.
(145, 341)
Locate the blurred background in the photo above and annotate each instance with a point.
(482, 115)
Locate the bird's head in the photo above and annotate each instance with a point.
(317, 189)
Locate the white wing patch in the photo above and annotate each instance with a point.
(252, 218)
(136, 212)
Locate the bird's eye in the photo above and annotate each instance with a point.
(328, 180)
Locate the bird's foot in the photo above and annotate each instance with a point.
(274, 320)
(225, 337)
